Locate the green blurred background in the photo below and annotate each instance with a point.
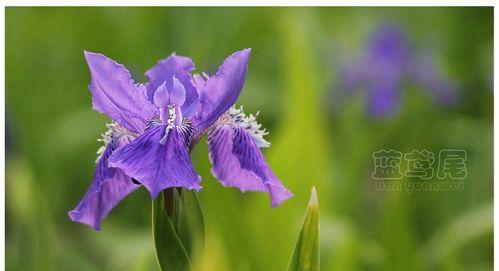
(52, 131)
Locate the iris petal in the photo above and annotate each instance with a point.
(383, 99)
(109, 187)
(164, 71)
(238, 162)
(221, 91)
(158, 166)
(165, 96)
(116, 94)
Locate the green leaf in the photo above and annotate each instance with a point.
(306, 253)
(178, 228)
(190, 224)
(443, 249)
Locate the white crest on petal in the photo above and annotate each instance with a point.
(115, 133)
(170, 123)
(249, 123)
(171, 116)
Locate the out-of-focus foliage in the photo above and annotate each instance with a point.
(316, 138)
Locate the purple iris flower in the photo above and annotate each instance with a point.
(387, 64)
(155, 126)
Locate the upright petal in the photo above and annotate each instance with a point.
(165, 70)
(389, 50)
(164, 96)
(221, 91)
(109, 186)
(158, 166)
(199, 83)
(116, 94)
(238, 162)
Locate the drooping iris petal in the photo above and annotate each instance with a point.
(165, 96)
(165, 70)
(383, 99)
(442, 88)
(238, 162)
(158, 166)
(221, 91)
(353, 76)
(109, 186)
(116, 94)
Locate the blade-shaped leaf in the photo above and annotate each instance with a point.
(170, 251)
(306, 253)
(190, 224)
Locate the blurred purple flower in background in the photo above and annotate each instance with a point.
(156, 125)
(389, 62)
